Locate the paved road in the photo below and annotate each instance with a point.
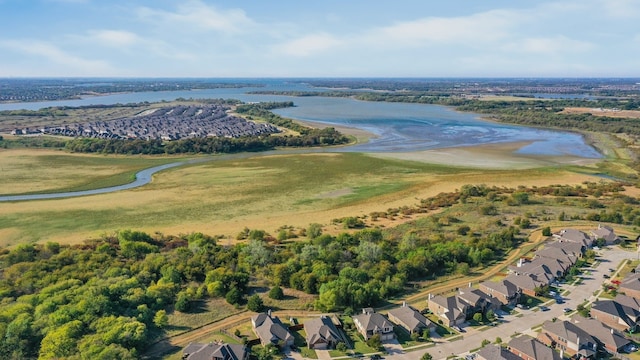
(526, 319)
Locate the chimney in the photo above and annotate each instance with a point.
(404, 304)
(469, 283)
(611, 331)
(269, 312)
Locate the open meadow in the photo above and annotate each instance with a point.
(223, 197)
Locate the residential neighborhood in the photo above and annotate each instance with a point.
(561, 333)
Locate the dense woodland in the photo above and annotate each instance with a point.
(109, 298)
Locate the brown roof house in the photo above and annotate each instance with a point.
(621, 313)
(495, 352)
(410, 319)
(569, 339)
(215, 351)
(526, 284)
(611, 340)
(528, 348)
(606, 233)
(452, 310)
(322, 333)
(370, 323)
(504, 291)
(270, 330)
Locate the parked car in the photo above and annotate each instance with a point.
(566, 310)
(544, 308)
(606, 276)
(559, 301)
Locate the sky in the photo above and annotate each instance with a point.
(323, 38)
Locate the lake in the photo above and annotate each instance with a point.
(397, 127)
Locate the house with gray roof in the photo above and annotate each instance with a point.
(270, 330)
(495, 352)
(622, 313)
(607, 233)
(322, 333)
(215, 351)
(478, 301)
(611, 340)
(576, 236)
(526, 284)
(410, 319)
(630, 285)
(370, 323)
(504, 291)
(528, 348)
(568, 338)
(452, 310)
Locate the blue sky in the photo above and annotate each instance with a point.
(328, 38)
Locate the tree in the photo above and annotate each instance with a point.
(314, 231)
(276, 293)
(477, 317)
(485, 342)
(341, 346)
(183, 304)
(375, 342)
(546, 231)
(254, 303)
(234, 296)
(426, 356)
(161, 319)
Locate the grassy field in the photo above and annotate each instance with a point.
(223, 197)
(41, 171)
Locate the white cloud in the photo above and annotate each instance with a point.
(550, 45)
(308, 45)
(196, 14)
(481, 27)
(52, 53)
(115, 38)
(620, 8)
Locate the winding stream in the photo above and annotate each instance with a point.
(398, 127)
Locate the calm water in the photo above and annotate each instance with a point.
(398, 127)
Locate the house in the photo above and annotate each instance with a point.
(452, 310)
(573, 235)
(495, 352)
(630, 285)
(504, 291)
(528, 348)
(322, 333)
(370, 323)
(621, 313)
(270, 330)
(524, 283)
(215, 351)
(611, 340)
(410, 319)
(478, 301)
(568, 338)
(573, 248)
(606, 233)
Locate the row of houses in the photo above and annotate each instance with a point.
(167, 123)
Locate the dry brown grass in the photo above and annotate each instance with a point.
(603, 112)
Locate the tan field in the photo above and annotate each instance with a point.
(603, 112)
(262, 192)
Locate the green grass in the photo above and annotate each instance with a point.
(207, 312)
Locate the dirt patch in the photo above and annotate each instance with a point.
(615, 113)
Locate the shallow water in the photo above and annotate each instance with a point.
(398, 127)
